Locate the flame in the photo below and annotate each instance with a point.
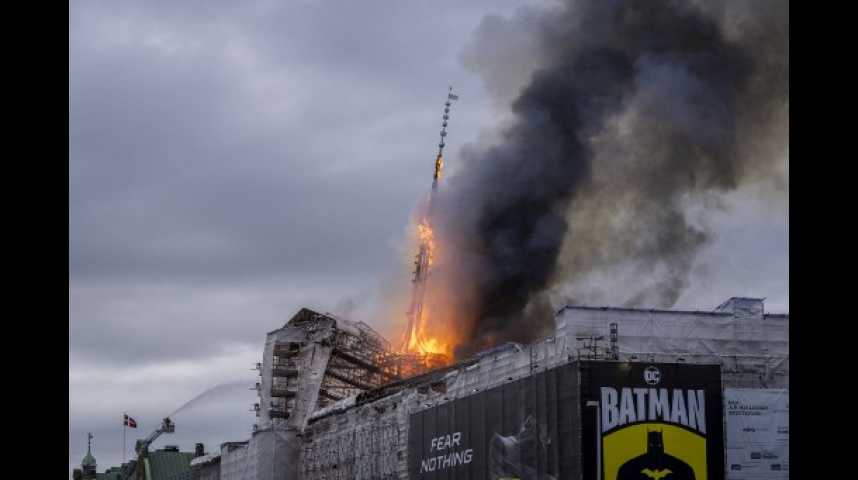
(423, 342)
(428, 337)
(427, 239)
(439, 166)
(429, 350)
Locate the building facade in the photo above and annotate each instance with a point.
(363, 427)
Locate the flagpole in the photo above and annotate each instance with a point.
(124, 426)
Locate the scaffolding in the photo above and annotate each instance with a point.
(359, 360)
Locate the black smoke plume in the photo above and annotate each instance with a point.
(634, 111)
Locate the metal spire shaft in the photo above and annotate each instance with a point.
(421, 263)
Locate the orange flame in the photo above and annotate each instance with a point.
(427, 238)
(428, 337)
(421, 341)
(439, 166)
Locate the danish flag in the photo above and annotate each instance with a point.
(130, 422)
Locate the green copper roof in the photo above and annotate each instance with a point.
(166, 465)
(158, 465)
(109, 475)
(88, 460)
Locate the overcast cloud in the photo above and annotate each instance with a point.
(231, 162)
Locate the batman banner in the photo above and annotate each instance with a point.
(652, 421)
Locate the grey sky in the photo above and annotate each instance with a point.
(231, 162)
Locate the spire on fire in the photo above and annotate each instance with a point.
(411, 339)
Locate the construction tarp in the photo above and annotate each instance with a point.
(679, 332)
(757, 426)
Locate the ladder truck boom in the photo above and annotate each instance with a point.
(167, 426)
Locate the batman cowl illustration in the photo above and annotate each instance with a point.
(505, 454)
(655, 464)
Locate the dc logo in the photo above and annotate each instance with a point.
(652, 375)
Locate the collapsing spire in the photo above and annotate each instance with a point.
(411, 338)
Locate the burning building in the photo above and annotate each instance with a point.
(634, 114)
(336, 401)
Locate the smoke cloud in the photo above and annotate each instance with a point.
(635, 117)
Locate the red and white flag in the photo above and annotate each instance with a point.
(130, 422)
